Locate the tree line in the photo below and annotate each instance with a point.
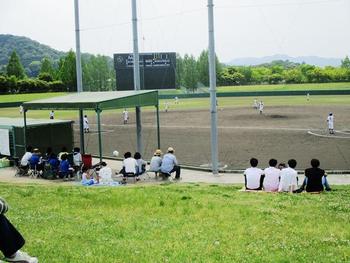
(192, 73)
(98, 75)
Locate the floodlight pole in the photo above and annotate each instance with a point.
(212, 90)
(79, 72)
(137, 75)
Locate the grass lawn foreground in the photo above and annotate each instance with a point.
(180, 223)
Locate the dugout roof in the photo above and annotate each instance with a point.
(19, 122)
(96, 100)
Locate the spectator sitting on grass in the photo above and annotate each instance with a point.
(104, 174)
(65, 170)
(156, 161)
(315, 179)
(272, 177)
(86, 178)
(289, 178)
(129, 166)
(63, 151)
(170, 164)
(253, 176)
(54, 162)
(11, 241)
(141, 164)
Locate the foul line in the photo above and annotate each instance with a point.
(327, 136)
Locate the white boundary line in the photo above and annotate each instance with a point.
(327, 136)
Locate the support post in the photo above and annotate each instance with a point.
(158, 127)
(81, 128)
(212, 90)
(137, 75)
(25, 129)
(79, 72)
(98, 112)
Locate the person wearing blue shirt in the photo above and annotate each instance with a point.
(35, 160)
(64, 167)
(170, 164)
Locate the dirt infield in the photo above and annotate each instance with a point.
(281, 133)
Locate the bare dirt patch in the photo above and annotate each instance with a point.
(281, 133)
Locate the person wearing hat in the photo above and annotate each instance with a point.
(156, 162)
(170, 164)
(330, 121)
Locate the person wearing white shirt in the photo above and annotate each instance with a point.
(125, 116)
(105, 174)
(289, 178)
(253, 176)
(129, 166)
(26, 157)
(52, 115)
(261, 107)
(330, 121)
(86, 124)
(272, 177)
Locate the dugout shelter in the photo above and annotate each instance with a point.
(39, 133)
(97, 101)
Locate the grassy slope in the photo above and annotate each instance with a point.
(180, 223)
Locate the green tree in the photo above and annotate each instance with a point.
(190, 73)
(203, 67)
(179, 71)
(345, 63)
(67, 71)
(14, 67)
(46, 67)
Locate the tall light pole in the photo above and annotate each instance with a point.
(137, 75)
(78, 71)
(212, 90)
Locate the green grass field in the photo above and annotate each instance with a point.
(287, 87)
(179, 223)
(201, 103)
(29, 96)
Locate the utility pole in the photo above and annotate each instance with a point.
(137, 75)
(79, 72)
(212, 90)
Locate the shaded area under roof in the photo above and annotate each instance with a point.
(97, 100)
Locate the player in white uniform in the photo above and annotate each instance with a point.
(308, 96)
(52, 115)
(261, 107)
(125, 116)
(176, 100)
(330, 120)
(166, 106)
(255, 104)
(86, 124)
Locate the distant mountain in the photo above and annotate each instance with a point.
(312, 60)
(29, 51)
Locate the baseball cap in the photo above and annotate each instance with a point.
(158, 152)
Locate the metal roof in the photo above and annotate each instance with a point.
(97, 100)
(19, 122)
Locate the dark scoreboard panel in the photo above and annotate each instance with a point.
(157, 71)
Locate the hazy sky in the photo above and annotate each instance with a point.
(243, 27)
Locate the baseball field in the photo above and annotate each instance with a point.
(290, 127)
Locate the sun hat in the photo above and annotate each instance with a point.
(158, 152)
(170, 149)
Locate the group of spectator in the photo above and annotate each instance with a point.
(285, 177)
(136, 166)
(62, 165)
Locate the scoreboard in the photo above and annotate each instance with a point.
(157, 71)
